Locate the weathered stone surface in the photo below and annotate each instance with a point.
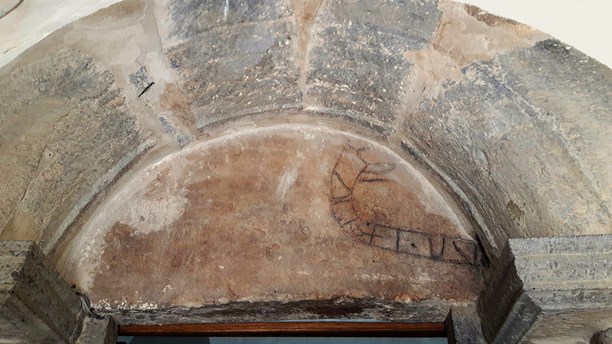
(463, 326)
(356, 64)
(602, 337)
(192, 18)
(557, 289)
(517, 131)
(241, 66)
(247, 311)
(573, 94)
(36, 305)
(268, 233)
(99, 331)
(571, 280)
(564, 263)
(141, 81)
(65, 134)
(508, 155)
(569, 326)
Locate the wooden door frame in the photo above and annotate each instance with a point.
(290, 329)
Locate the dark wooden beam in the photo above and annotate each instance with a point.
(290, 329)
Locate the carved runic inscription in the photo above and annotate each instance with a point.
(350, 170)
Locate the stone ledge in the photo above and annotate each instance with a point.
(538, 278)
(35, 303)
(564, 263)
(338, 308)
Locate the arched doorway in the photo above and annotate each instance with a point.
(277, 222)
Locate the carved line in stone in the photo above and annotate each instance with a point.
(351, 168)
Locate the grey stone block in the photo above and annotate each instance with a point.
(36, 305)
(239, 70)
(99, 331)
(357, 67)
(192, 18)
(572, 92)
(511, 141)
(65, 134)
(544, 287)
(463, 326)
(564, 263)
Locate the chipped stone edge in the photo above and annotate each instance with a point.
(246, 311)
(517, 293)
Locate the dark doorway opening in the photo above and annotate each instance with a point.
(337, 332)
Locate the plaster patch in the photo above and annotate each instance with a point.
(286, 181)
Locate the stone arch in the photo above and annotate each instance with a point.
(189, 230)
(507, 122)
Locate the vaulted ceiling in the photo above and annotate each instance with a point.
(172, 155)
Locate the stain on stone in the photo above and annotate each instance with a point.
(183, 140)
(172, 99)
(486, 17)
(515, 211)
(361, 202)
(265, 233)
(168, 128)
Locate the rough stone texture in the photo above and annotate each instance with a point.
(549, 289)
(247, 311)
(65, 134)
(125, 40)
(99, 331)
(602, 337)
(513, 128)
(271, 232)
(356, 64)
(141, 81)
(514, 157)
(36, 305)
(196, 17)
(237, 60)
(463, 326)
(568, 327)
